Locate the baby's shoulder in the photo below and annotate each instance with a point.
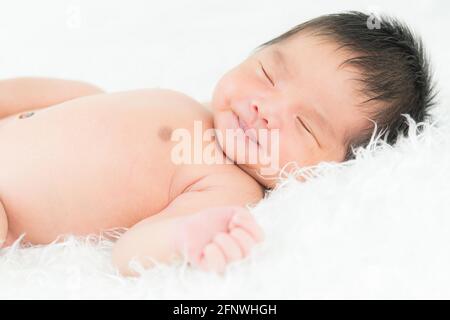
(181, 109)
(173, 99)
(234, 180)
(227, 178)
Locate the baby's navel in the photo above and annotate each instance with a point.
(165, 133)
(26, 115)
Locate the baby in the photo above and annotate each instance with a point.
(179, 174)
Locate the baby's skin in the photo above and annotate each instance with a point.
(103, 160)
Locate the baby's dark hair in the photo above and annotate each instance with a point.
(393, 69)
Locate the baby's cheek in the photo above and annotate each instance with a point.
(295, 152)
(220, 100)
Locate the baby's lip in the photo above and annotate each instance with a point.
(248, 130)
(242, 124)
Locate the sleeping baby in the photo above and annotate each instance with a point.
(180, 175)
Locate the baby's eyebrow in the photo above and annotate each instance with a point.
(319, 118)
(322, 122)
(280, 60)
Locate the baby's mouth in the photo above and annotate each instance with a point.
(248, 131)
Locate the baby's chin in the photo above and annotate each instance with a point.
(258, 173)
(239, 149)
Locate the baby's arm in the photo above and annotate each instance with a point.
(197, 223)
(29, 93)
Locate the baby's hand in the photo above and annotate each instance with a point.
(214, 237)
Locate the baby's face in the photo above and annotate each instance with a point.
(296, 90)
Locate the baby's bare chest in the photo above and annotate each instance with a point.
(91, 163)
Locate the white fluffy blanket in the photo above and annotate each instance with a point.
(375, 227)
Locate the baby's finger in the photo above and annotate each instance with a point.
(245, 241)
(213, 259)
(247, 222)
(230, 248)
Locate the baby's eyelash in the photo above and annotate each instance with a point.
(303, 124)
(268, 77)
(307, 129)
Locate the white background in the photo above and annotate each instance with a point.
(182, 45)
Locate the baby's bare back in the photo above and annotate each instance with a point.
(93, 163)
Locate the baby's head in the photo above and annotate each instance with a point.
(323, 85)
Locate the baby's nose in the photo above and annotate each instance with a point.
(261, 115)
